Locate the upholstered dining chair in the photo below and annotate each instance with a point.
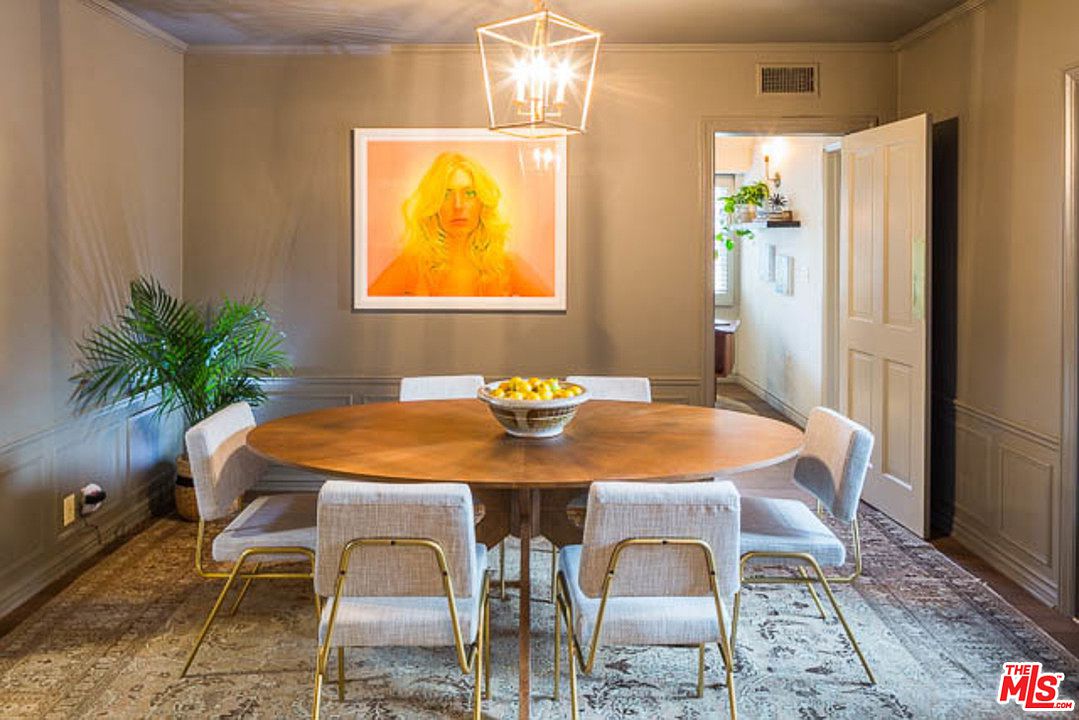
(452, 387)
(832, 466)
(400, 566)
(600, 387)
(657, 566)
(270, 530)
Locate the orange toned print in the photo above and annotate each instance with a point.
(457, 233)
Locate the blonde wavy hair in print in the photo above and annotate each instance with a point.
(424, 239)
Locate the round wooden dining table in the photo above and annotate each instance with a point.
(524, 484)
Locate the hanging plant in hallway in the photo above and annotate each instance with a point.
(753, 195)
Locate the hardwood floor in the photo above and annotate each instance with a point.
(1063, 629)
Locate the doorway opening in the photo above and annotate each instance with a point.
(770, 214)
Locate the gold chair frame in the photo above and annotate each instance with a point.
(476, 660)
(234, 574)
(805, 580)
(574, 654)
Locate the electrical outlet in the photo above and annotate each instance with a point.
(69, 509)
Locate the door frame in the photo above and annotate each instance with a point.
(831, 181)
(744, 125)
(1069, 453)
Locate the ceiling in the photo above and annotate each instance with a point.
(378, 22)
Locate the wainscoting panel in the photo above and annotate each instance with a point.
(303, 394)
(125, 450)
(1007, 498)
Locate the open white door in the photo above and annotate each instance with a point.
(883, 304)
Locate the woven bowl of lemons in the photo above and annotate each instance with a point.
(533, 407)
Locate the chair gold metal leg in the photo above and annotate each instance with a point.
(318, 692)
(487, 649)
(502, 568)
(341, 673)
(843, 621)
(318, 609)
(812, 592)
(572, 671)
(728, 661)
(213, 614)
(243, 590)
(734, 617)
(700, 670)
(477, 682)
(554, 570)
(557, 646)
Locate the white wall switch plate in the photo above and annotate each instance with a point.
(69, 509)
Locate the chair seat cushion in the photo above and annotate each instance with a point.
(788, 526)
(639, 620)
(405, 621)
(287, 520)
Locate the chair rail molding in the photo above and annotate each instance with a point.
(123, 448)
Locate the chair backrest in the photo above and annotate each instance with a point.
(222, 466)
(440, 387)
(436, 511)
(834, 460)
(709, 511)
(610, 387)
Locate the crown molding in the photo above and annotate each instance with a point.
(471, 48)
(357, 49)
(936, 23)
(137, 24)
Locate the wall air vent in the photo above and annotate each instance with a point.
(787, 79)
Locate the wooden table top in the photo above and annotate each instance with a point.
(459, 441)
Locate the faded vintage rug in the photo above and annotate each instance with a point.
(111, 644)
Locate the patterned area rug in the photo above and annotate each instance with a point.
(111, 645)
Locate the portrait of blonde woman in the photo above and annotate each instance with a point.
(456, 241)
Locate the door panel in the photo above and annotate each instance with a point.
(883, 328)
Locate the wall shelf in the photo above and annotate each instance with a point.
(777, 223)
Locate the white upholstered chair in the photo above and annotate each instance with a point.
(657, 566)
(832, 466)
(400, 566)
(439, 387)
(271, 529)
(452, 387)
(601, 387)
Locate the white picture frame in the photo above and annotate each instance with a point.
(548, 156)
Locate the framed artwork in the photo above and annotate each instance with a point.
(458, 219)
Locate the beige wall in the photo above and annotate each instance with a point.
(90, 189)
(91, 117)
(1000, 70)
(267, 201)
(778, 345)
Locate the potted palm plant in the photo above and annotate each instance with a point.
(194, 360)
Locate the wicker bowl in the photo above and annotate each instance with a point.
(533, 418)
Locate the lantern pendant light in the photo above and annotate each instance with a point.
(538, 71)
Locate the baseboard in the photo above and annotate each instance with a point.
(775, 402)
(82, 542)
(967, 535)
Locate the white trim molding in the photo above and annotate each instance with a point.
(1069, 460)
(936, 23)
(134, 22)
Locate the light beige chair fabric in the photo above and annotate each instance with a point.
(709, 511)
(269, 521)
(437, 511)
(612, 387)
(222, 466)
(418, 621)
(439, 387)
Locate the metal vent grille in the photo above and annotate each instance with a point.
(786, 79)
